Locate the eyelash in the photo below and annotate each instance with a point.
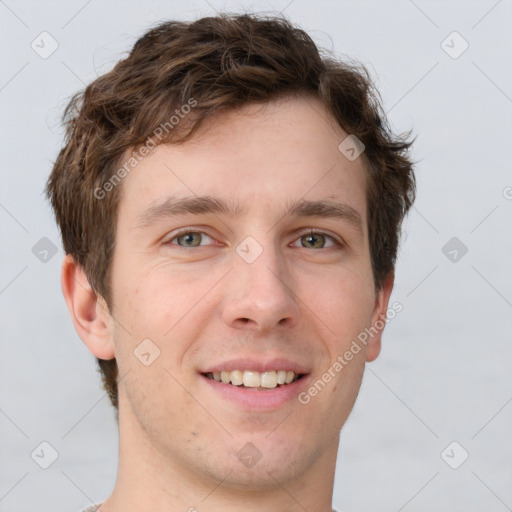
(310, 232)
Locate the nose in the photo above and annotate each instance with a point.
(260, 295)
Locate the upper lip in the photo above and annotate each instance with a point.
(258, 364)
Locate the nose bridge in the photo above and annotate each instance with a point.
(261, 266)
(261, 293)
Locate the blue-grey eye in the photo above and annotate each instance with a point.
(189, 239)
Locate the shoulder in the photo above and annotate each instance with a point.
(92, 508)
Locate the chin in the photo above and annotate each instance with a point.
(265, 463)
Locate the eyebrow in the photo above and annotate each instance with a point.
(198, 205)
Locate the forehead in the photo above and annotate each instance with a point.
(264, 156)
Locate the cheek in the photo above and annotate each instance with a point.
(151, 303)
(157, 313)
(344, 303)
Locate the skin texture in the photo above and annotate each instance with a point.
(202, 305)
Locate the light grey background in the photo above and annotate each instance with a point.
(444, 372)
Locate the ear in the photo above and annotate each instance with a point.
(379, 318)
(89, 311)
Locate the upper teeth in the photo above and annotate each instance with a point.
(252, 379)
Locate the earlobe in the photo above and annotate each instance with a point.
(379, 318)
(88, 311)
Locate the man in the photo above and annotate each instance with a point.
(230, 205)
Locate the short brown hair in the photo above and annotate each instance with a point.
(222, 62)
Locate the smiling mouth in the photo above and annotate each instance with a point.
(255, 380)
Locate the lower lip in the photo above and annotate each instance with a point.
(254, 399)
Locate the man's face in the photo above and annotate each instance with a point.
(253, 292)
